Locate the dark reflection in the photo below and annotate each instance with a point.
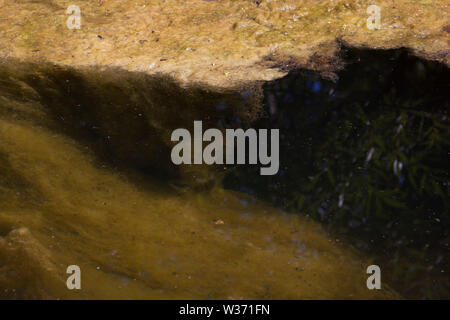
(368, 157)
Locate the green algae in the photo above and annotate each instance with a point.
(84, 122)
(63, 203)
(227, 40)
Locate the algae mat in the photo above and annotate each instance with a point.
(62, 203)
(60, 208)
(133, 236)
(223, 43)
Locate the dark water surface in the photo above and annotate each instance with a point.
(86, 179)
(367, 156)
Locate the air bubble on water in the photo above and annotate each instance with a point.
(341, 200)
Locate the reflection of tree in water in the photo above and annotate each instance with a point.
(368, 156)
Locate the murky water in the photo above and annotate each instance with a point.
(86, 179)
(367, 156)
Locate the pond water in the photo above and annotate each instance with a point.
(367, 156)
(86, 179)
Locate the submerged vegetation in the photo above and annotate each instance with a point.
(368, 156)
(73, 191)
(86, 178)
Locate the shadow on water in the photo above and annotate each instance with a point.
(126, 118)
(368, 157)
(69, 138)
(365, 156)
